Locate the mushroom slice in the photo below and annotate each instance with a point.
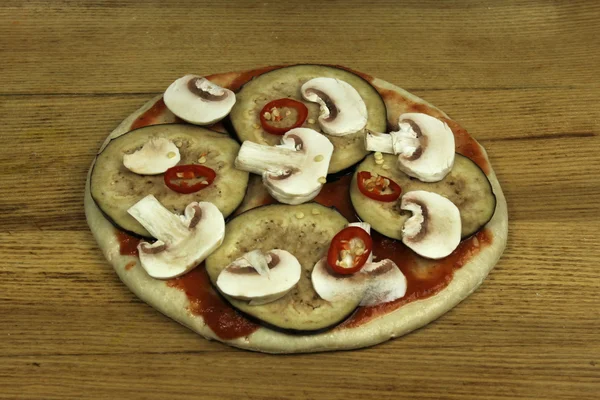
(246, 279)
(335, 287)
(198, 101)
(433, 230)
(155, 157)
(424, 146)
(375, 283)
(293, 172)
(183, 242)
(386, 283)
(343, 111)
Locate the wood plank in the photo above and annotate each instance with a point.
(562, 281)
(486, 114)
(520, 76)
(364, 375)
(568, 190)
(92, 47)
(63, 133)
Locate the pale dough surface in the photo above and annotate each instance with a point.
(173, 302)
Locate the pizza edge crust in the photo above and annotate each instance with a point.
(173, 302)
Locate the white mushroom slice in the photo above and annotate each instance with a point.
(387, 283)
(198, 101)
(155, 157)
(183, 241)
(343, 111)
(292, 172)
(433, 230)
(375, 283)
(243, 280)
(335, 287)
(424, 145)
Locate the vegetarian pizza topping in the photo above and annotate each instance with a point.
(433, 230)
(272, 286)
(349, 250)
(375, 283)
(277, 226)
(198, 101)
(260, 277)
(378, 187)
(155, 157)
(189, 178)
(281, 115)
(466, 186)
(424, 146)
(343, 111)
(288, 81)
(292, 171)
(182, 242)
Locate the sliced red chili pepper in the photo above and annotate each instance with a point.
(176, 178)
(378, 187)
(279, 105)
(352, 243)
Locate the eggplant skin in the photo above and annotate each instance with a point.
(277, 226)
(286, 82)
(115, 189)
(466, 186)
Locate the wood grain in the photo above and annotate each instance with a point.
(520, 76)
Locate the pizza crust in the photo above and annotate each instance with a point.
(173, 302)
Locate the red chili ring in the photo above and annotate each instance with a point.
(189, 172)
(375, 193)
(301, 109)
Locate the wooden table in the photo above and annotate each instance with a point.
(522, 78)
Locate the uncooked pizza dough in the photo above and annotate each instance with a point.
(368, 326)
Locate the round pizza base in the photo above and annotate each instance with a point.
(173, 302)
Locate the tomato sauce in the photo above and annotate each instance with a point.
(337, 194)
(467, 146)
(127, 244)
(366, 77)
(235, 80)
(220, 317)
(150, 115)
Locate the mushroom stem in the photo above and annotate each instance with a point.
(293, 172)
(258, 260)
(160, 222)
(382, 142)
(183, 241)
(257, 158)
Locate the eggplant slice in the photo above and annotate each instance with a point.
(256, 195)
(307, 238)
(466, 186)
(286, 83)
(115, 189)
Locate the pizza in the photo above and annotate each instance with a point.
(299, 208)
